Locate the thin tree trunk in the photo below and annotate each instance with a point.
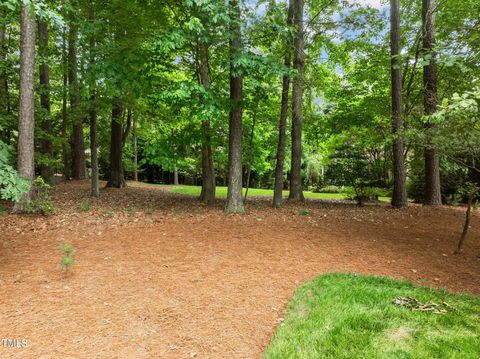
(46, 145)
(78, 146)
(26, 120)
(433, 195)
(116, 179)
(399, 198)
(296, 190)
(128, 126)
(4, 107)
(175, 174)
(466, 226)
(135, 151)
(234, 193)
(282, 126)
(95, 186)
(250, 148)
(66, 168)
(207, 195)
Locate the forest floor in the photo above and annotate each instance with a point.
(157, 275)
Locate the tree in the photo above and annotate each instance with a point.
(207, 194)
(399, 197)
(78, 145)
(46, 145)
(234, 194)
(95, 188)
(296, 192)
(116, 178)
(433, 194)
(26, 121)
(278, 186)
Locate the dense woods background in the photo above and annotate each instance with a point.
(377, 98)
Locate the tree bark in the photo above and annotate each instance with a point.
(433, 195)
(399, 197)
(46, 145)
(466, 225)
(296, 190)
(26, 120)
(207, 195)
(116, 179)
(79, 170)
(4, 101)
(135, 151)
(282, 126)
(66, 168)
(234, 193)
(250, 147)
(95, 186)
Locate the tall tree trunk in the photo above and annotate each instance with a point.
(207, 195)
(282, 126)
(66, 168)
(399, 198)
(78, 146)
(234, 193)
(433, 195)
(250, 146)
(296, 191)
(95, 186)
(116, 179)
(135, 151)
(26, 112)
(46, 145)
(4, 106)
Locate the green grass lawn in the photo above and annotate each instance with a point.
(254, 192)
(348, 316)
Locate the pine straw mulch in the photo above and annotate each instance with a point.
(158, 275)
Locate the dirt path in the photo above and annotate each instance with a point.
(159, 276)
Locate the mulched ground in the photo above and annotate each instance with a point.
(158, 275)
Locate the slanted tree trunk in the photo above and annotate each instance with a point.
(433, 195)
(46, 145)
(468, 215)
(207, 195)
(116, 179)
(26, 112)
(234, 193)
(296, 190)
(399, 198)
(79, 170)
(282, 126)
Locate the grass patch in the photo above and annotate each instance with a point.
(349, 316)
(253, 192)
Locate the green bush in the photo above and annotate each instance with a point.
(330, 189)
(363, 193)
(12, 186)
(68, 255)
(41, 203)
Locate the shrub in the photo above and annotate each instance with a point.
(12, 186)
(362, 193)
(304, 212)
(68, 256)
(41, 203)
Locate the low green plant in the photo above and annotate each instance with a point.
(304, 212)
(68, 258)
(12, 186)
(41, 202)
(362, 192)
(130, 209)
(85, 205)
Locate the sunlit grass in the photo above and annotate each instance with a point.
(349, 316)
